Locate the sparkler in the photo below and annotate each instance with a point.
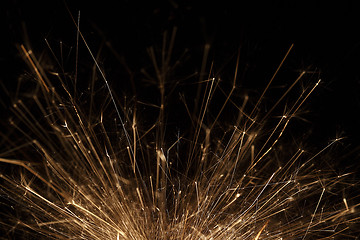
(85, 166)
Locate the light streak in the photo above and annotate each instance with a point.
(78, 178)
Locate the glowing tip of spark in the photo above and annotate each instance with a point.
(346, 205)
(54, 73)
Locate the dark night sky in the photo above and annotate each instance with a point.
(325, 37)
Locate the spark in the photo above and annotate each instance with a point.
(78, 178)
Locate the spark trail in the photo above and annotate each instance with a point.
(75, 176)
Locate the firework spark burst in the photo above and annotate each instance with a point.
(90, 166)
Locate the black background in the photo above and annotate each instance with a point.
(325, 37)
